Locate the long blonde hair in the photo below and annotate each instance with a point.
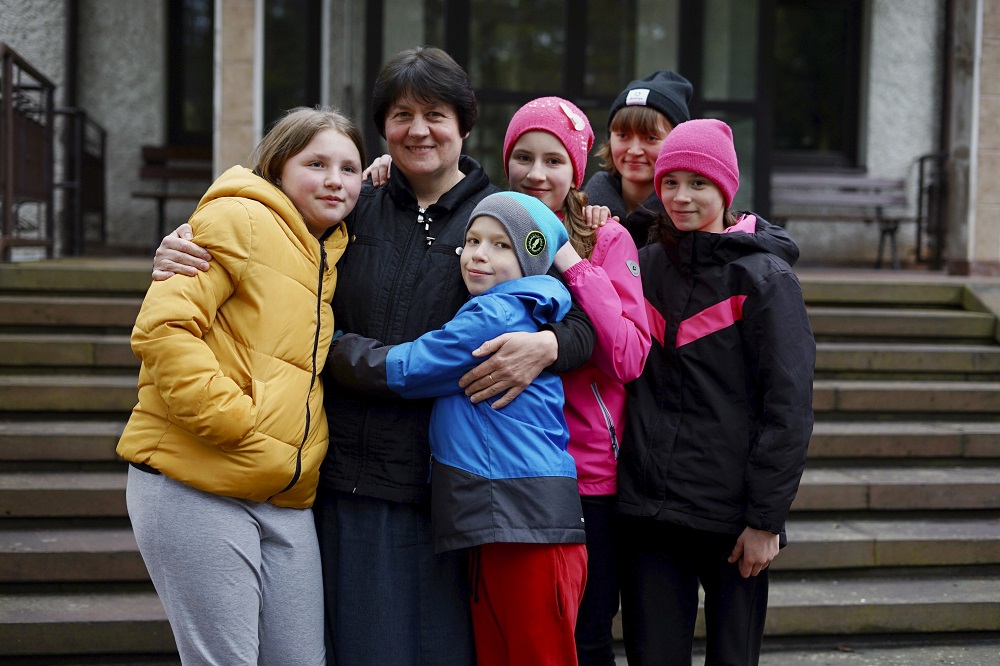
(581, 235)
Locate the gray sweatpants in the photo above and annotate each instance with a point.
(240, 581)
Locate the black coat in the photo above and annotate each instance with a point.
(720, 420)
(393, 286)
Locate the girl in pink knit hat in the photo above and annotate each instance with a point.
(545, 155)
(719, 420)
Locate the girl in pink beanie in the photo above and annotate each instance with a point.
(545, 155)
(719, 420)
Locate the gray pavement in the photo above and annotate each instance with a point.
(972, 651)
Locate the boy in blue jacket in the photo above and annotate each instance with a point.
(502, 482)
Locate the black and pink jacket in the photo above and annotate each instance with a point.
(720, 420)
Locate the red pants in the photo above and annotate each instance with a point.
(525, 599)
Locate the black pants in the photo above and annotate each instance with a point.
(661, 567)
(594, 641)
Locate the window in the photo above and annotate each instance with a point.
(191, 50)
(292, 33)
(817, 53)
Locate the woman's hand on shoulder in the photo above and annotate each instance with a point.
(378, 171)
(597, 216)
(177, 255)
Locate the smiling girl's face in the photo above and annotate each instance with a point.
(539, 166)
(323, 180)
(693, 202)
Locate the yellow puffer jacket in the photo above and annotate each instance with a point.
(230, 400)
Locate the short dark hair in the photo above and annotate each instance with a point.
(427, 74)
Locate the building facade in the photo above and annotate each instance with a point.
(874, 87)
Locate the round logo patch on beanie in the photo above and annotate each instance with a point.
(534, 243)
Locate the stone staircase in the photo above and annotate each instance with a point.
(895, 531)
(896, 527)
(73, 588)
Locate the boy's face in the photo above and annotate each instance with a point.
(488, 257)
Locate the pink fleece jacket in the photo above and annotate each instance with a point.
(609, 290)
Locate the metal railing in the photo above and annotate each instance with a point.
(26, 155)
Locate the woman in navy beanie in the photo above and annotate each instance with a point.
(720, 419)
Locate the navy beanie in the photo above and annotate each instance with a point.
(664, 91)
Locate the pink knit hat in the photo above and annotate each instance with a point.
(704, 147)
(558, 117)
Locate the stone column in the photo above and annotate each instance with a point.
(973, 212)
(237, 91)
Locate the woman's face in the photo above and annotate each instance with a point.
(693, 202)
(424, 139)
(323, 180)
(539, 166)
(634, 153)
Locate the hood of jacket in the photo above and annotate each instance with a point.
(750, 235)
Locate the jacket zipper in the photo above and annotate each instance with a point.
(608, 421)
(312, 379)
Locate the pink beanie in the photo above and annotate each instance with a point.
(704, 147)
(558, 117)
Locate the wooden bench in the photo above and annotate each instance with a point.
(168, 166)
(837, 197)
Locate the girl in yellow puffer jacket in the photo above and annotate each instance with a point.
(229, 431)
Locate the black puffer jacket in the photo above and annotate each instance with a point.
(720, 419)
(394, 286)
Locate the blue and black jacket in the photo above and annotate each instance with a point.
(499, 475)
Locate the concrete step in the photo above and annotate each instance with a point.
(947, 360)
(898, 489)
(865, 543)
(77, 276)
(913, 398)
(882, 323)
(86, 623)
(26, 350)
(63, 494)
(70, 554)
(83, 554)
(38, 311)
(68, 393)
(881, 439)
(848, 290)
(878, 605)
(844, 605)
(60, 441)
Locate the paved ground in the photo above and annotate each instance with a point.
(971, 651)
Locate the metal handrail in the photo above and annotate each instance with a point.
(25, 102)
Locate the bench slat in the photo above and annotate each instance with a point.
(836, 181)
(801, 198)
